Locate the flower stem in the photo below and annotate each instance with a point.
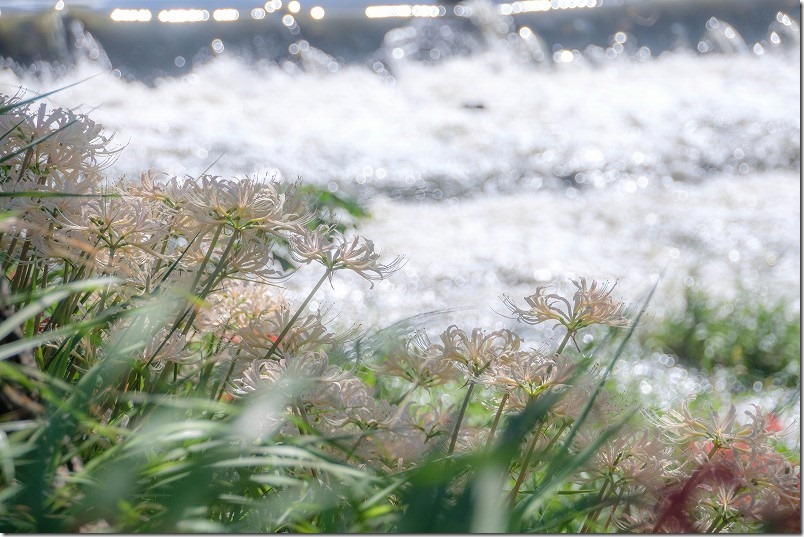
(717, 524)
(723, 523)
(565, 341)
(496, 420)
(406, 394)
(206, 258)
(295, 317)
(226, 379)
(555, 438)
(212, 281)
(523, 469)
(9, 254)
(614, 508)
(460, 417)
(593, 514)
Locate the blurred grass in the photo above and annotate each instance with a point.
(756, 340)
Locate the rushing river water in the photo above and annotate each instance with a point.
(494, 172)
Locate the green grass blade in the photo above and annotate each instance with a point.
(47, 298)
(9, 107)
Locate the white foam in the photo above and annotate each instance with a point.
(675, 115)
(674, 150)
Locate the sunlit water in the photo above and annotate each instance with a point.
(493, 174)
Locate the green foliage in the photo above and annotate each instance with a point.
(757, 341)
(332, 209)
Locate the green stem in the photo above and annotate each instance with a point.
(716, 524)
(614, 508)
(206, 258)
(306, 429)
(212, 281)
(303, 414)
(42, 285)
(108, 288)
(208, 287)
(354, 447)
(496, 420)
(523, 468)
(9, 254)
(725, 522)
(226, 378)
(161, 253)
(565, 341)
(298, 313)
(26, 161)
(593, 514)
(460, 417)
(406, 394)
(21, 266)
(555, 438)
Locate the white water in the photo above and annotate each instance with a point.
(667, 117)
(689, 164)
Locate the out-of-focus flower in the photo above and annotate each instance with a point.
(532, 372)
(304, 376)
(419, 362)
(393, 450)
(253, 259)
(238, 304)
(161, 346)
(474, 353)
(633, 458)
(432, 419)
(307, 333)
(714, 432)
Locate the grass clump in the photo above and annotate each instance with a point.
(155, 378)
(756, 341)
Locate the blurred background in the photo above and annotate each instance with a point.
(498, 145)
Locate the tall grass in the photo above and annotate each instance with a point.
(156, 379)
